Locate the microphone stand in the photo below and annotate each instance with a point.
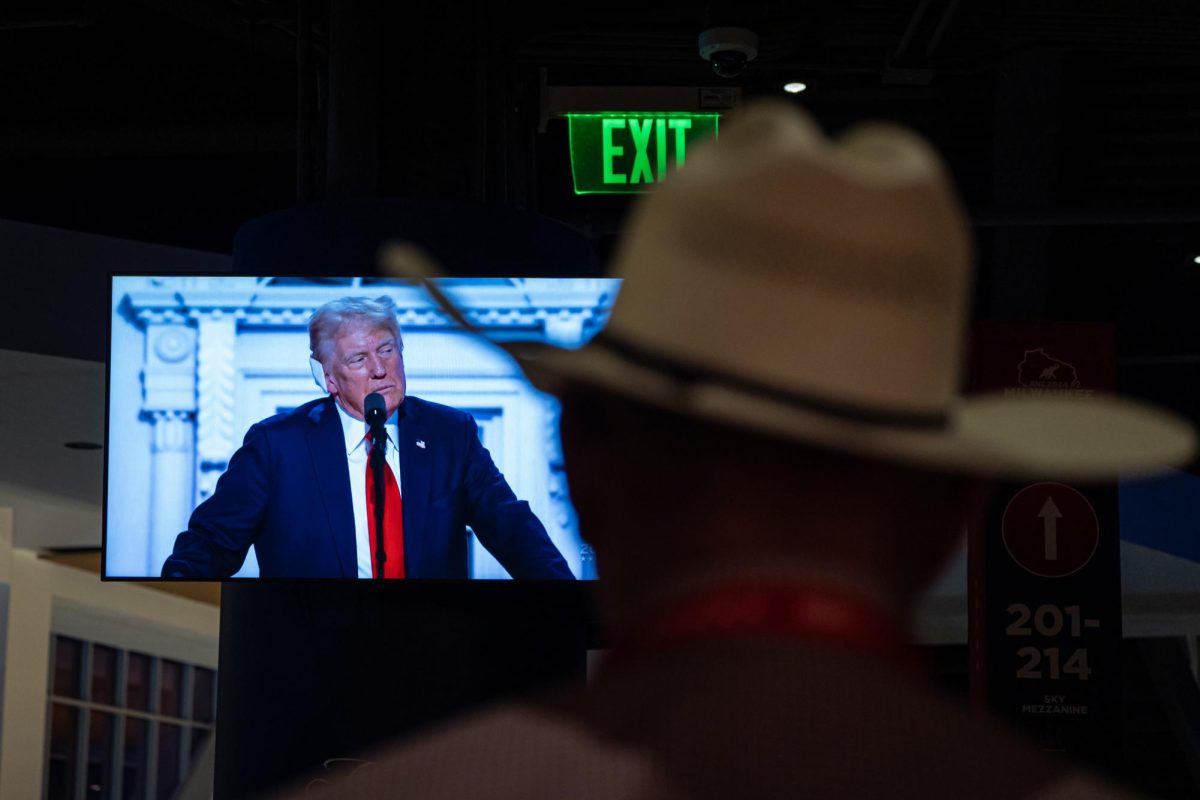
(378, 464)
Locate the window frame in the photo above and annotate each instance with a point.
(121, 713)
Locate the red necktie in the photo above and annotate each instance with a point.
(393, 522)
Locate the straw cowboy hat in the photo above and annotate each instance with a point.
(819, 290)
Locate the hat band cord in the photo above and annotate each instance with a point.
(687, 374)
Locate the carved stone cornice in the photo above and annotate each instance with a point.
(560, 310)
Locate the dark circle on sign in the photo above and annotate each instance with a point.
(1009, 529)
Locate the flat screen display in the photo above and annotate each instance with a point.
(232, 453)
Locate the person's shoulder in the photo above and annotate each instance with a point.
(428, 411)
(300, 417)
(1083, 786)
(515, 751)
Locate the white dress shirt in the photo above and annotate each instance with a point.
(357, 448)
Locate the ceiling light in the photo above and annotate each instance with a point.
(795, 87)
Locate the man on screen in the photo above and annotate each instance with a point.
(300, 490)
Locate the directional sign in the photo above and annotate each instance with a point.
(1050, 530)
(1044, 585)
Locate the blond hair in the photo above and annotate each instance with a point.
(327, 321)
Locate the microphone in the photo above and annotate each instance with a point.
(375, 410)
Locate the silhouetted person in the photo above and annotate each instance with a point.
(770, 456)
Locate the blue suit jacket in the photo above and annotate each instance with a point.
(287, 492)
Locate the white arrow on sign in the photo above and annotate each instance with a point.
(1050, 516)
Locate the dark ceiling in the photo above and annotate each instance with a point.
(1073, 129)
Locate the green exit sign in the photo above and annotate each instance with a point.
(626, 152)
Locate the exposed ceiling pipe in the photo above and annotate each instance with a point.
(940, 31)
(353, 149)
(305, 87)
(910, 31)
(1058, 217)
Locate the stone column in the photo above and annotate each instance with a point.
(172, 462)
(215, 374)
(170, 405)
(562, 524)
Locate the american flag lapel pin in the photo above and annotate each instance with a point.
(421, 443)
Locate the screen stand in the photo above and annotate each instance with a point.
(311, 672)
(378, 464)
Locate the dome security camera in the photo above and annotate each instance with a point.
(728, 49)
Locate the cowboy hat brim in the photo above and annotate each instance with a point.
(993, 435)
(990, 435)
